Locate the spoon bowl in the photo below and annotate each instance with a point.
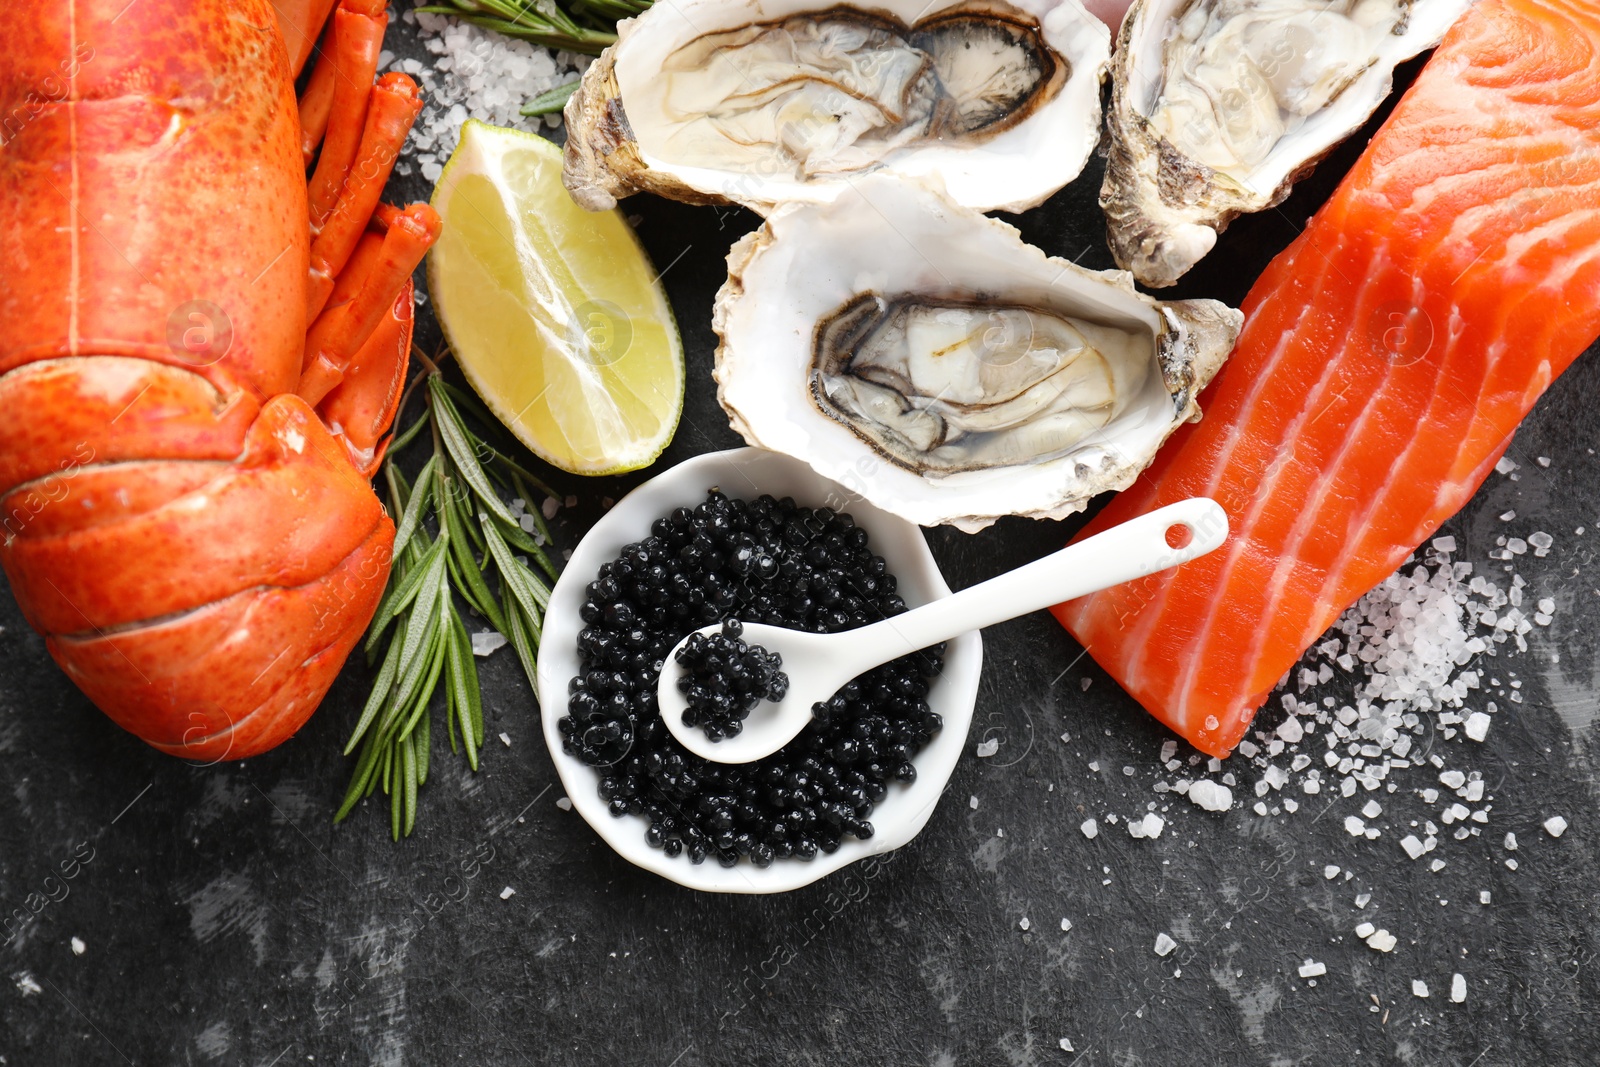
(818, 665)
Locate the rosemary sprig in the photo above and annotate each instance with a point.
(455, 538)
(582, 26)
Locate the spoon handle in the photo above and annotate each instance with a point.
(1124, 552)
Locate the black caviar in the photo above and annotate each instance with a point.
(768, 561)
(724, 677)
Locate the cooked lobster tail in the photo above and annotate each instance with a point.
(200, 551)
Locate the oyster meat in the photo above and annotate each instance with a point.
(761, 102)
(924, 356)
(1220, 106)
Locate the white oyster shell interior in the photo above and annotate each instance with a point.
(765, 101)
(1219, 106)
(1237, 76)
(926, 357)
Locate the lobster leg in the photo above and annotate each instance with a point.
(316, 105)
(301, 21)
(395, 104)
(357, 37)
(352, 341)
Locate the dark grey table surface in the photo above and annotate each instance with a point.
(225, 920)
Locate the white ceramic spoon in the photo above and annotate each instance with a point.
(819, 665)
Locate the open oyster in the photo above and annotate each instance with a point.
(924, 356)
(1219, 106)
(763, 101)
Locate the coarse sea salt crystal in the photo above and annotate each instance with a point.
(1330, 872)
(1555, 826)
(1066, 924)
(1164, 944)
(1024, 924)
(487, 642)
(1477, 726)
(1312, 969)
(1354, 826)
(1090, 828)
(1419, 988)
(1413, 847)
(1209, 795)
(989, 747)
(1458, 989)
(1382, 941)
(1372, 809)
(1365, 930)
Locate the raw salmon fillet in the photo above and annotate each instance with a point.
(1387, 357)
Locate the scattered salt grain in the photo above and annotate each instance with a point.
(1312, 969)
(27, 985)
(1354, 826)
(78, 947)
(1412, 846)
(1458, 989)
(1504, 465)
(1066, 924)
(487, 642)
(1382, 941)
(507, 893)
(1211, 796)
(1149, 826)
(1419, 988)
(1066, 1045)
(1477, 726)
(973, 803)
(1330, 872)
(989, 747)
(1507, 516)
(1164, 944)
(505, 739)
(1090, 829)
(550, 506)
(1363, 900)
(1555, 826)
(1511, 842)
(564, 803)
(1372, 809)
(1485, 897)
(1024, 924)
(1452, 779)
(1365, 930)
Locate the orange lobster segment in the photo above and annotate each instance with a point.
(200, 551)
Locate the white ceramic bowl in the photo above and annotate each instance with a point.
(747, 473)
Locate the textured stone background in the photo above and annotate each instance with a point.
(227, 921)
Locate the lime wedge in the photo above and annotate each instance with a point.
(555, 313)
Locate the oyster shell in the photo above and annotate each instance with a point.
(1219, 106)
(924, 356)
(758, 102)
